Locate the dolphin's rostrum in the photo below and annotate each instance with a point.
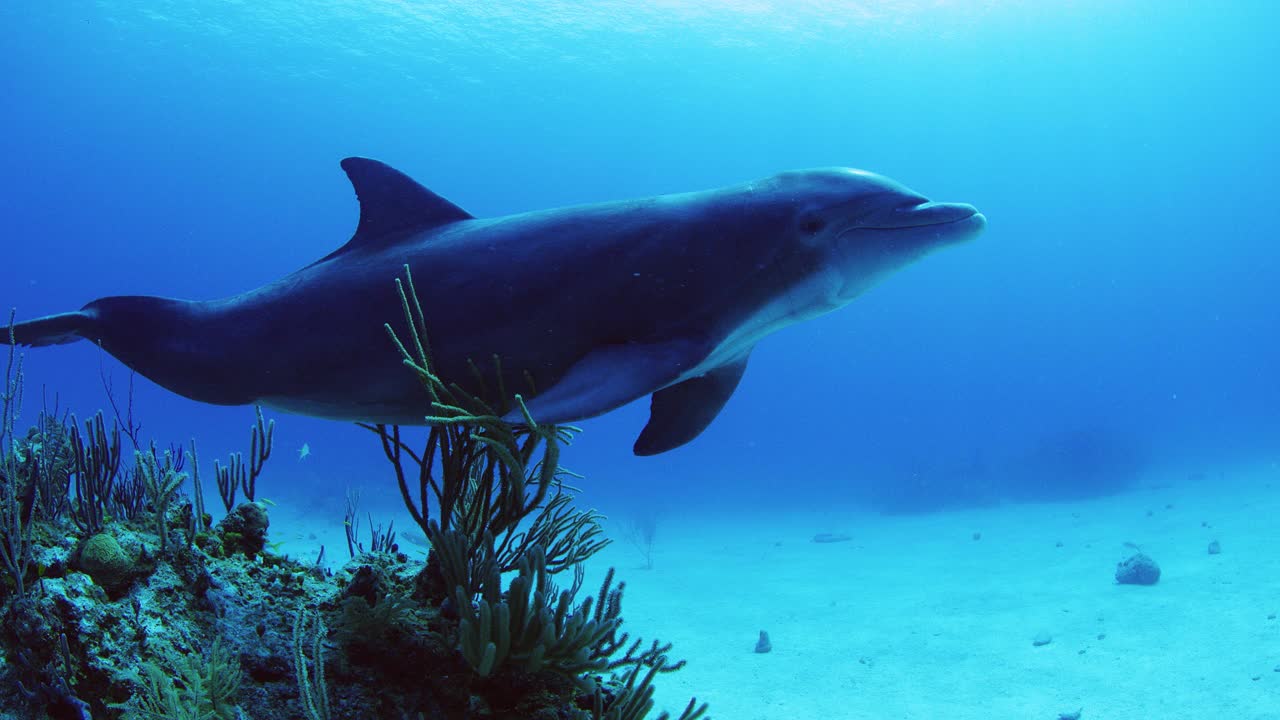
(596, 305)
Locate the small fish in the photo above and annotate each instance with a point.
(304, 451)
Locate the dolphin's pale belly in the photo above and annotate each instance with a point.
(814, 297)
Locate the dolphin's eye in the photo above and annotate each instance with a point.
(811, 226)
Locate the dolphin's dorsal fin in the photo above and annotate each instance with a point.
(392, 204)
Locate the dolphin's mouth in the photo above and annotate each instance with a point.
(924, 214)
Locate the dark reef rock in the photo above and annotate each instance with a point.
(763, 645)
(1139, 569)
(244, 529)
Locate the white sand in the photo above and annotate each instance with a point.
(915, 619)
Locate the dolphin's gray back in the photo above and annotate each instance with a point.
(581, 309)
(538, 290)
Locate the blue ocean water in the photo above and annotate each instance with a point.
(1119, 313)
(1124, 155)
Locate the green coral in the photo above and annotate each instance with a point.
(497, 483)
(308, 639)
(502, 505)
(360, 621)
(205, 689)
(160, 481)
(534, 627)
(635, 700)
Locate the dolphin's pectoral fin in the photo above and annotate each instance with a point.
(392, 204)
(51, 330)
(680, 413)
(609, 377)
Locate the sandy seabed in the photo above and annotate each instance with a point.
(913, 617)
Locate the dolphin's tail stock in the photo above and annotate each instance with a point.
(57, 329)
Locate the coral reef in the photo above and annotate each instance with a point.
(102, 558)
(244, 529)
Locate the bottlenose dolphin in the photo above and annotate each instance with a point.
(594, 306)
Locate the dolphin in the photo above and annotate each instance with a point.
(582, 309)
